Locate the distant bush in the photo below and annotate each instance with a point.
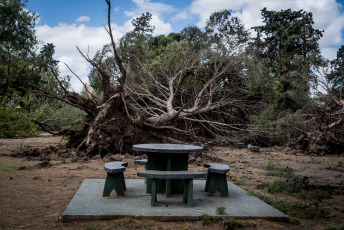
(56, 115)
(15, 120)
(269, 128)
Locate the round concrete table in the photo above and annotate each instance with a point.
(167, 157)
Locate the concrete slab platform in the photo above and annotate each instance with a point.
(88, 204)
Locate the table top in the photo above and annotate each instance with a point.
(167, 148)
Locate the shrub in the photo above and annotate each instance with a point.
(232, 223)
(207, 219)
(15, 118)
(220, 210)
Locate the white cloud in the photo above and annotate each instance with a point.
(66, 37)
(83, 19)
(329, 52)
(183, 15)
(153, 7)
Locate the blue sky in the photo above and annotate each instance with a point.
(71, 23)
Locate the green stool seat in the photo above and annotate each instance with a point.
(216, 179)
(114, 178)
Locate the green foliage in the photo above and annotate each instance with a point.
(286, 39)
(278, 185)
(142, 25)
(288, 183)
(229, 30)
(271, 128)
(56, 115)
(15, 118)
(293, 209)
(207, 219)
(235, 224)
(336, 76)
(17, 45)
(270, 165)
(220, 210)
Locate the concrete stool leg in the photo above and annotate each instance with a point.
(188, 192)
(218, 181)
(154, 192)
(125, 187)
(207, 182)
(114, 181)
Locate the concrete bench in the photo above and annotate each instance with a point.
(216, 179)
(187, 176)
(142, 162)
(114, 178)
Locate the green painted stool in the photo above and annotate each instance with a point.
(114, 178)
(240, 145)
(255, 149)
(216, 179)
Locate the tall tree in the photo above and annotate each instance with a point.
(228, 30)
(336, 77)
(17, 45)
(288, 45)
(285, 37)
(142, 24)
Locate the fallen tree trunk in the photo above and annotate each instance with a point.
(169, 109)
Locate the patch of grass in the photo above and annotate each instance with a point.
(294, 221)
(238, 182)
(207, 219)
(294, 209)
(277, 169)
(182, 228)
(335, 228)
(233, 224)
(220, 210)
(244, 162)
(37, 178)
(12, 166)
(250, 193)
(278, 185)
(91, 226)
(316, 194)
(139, 224)
(270, 165)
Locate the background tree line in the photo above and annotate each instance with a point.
(256, 88)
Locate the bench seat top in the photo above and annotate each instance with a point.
(141, 162)
(156, 174)
(115, 166)
(217, 168)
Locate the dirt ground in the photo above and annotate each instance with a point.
(37, 186)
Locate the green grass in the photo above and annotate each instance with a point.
(235, 224)
(220, 210)
(132, 223)
(278, 185)
(294, 209)
(91, 226)
(238, 182)
(12, 166)
(207, 219)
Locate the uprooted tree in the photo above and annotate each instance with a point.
(322, 131)
(185, 94)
